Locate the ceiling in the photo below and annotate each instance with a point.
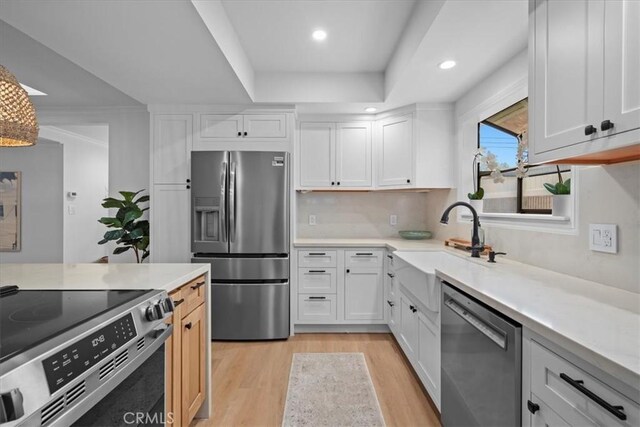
(276, 35)
(380, 53)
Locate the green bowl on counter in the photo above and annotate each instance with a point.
(415, 234)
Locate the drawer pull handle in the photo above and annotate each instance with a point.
(413, 309)
(364, 254)
(188, 325)
(618, 411)
(317, 253)
(391, 275)
(533, 407)
(317, 298)
(317, 271)
(391, 304)
(177, 303)
(197, 285)
(390, 257)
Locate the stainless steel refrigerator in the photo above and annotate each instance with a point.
(240, 225)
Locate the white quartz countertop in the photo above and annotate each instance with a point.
(600, 324)
(100, 276)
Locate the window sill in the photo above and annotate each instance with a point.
(533, 222)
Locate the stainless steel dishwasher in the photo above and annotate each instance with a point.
(481, 363)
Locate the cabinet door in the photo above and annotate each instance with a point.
(363, 294)
(317, 154)
(170, 224)
(193, 363)
(408, 327)
(622, 65)
(172, 141)
(173, 363)
(396, 151)
(393, 310)
(567, 87)
(353, 154)
(429, 353)
(221, 126)
(265, 126)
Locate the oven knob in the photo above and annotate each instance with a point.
(11, 405)
(168, 306)
(154, 312)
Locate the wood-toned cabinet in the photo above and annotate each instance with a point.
(186, 353)
(584, 101)
(335, 155)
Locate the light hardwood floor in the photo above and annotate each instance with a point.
(250, 379)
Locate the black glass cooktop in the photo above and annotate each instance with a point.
(29, 317)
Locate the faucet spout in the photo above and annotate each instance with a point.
(475, 240)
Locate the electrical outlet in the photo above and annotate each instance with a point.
(603, 238)
(312, 220)
(71, 209)
(393, 219)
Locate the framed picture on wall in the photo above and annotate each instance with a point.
(10, 211)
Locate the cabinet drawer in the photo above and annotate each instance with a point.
(193, 294)
(566, 389)
(317, 281)
(317, 258)
(317, 308)
(363, 258)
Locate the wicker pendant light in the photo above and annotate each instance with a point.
(18, 124)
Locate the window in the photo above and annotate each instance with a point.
(499, 134)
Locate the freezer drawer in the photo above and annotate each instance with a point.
(249, 311)
(246, 268)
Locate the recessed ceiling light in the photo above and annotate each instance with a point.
(445, 65)
(31, 91)
(371, 109)
(319, 35)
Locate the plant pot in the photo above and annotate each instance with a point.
(561, 205)
(477, 205)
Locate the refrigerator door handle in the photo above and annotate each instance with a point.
(223, 202)
(232, 203)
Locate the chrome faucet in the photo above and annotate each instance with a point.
(475, 240)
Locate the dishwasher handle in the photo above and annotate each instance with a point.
(497, 336)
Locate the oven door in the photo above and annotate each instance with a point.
(139, 400)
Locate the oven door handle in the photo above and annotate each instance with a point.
(497, 336)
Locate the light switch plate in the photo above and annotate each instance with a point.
(312, 220)
(603, 238)
(393, 219)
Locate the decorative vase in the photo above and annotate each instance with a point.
(477, 205)
(561, 205)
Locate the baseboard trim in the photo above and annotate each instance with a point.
(346, 329)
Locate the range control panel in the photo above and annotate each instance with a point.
(66, 365)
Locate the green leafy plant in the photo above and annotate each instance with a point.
(478, 195)
(561, 187)
(126, 228)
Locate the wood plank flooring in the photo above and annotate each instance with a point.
(250, 379)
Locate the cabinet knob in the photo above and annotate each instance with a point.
(348, 271)
(188, 180)
(590, 130)
(333, 183)
(188, 187)
(239, 133)
(606, 125)
(338, 182)
(533, 407)
(245, 134)
(408, 181)
(413, 309)
(188, 325)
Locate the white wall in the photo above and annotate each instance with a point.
(128, 147)
(605, 194)
(42, 185)
(342, 215)
(86, 172)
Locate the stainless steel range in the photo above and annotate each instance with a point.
(82, 357)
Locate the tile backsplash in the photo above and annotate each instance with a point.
(356, 214)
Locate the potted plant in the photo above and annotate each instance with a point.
(491, 163)
(127, 229)
(561, 202)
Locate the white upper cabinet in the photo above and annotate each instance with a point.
(335, 155)
(171, 147)
(583, 84)
(622, 64)
(316, 154)
(395, 149)
(353, 154)
(243, 126)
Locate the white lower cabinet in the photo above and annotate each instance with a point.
(317, 308)
(408, 327)
(562, 393)
(363, 294)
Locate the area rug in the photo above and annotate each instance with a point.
(331, 389)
